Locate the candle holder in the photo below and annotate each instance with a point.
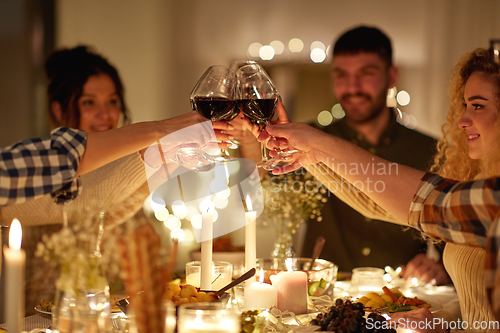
(207, 317)
(222, 273)
(367, 279)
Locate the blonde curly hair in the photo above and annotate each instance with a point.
(452, 159)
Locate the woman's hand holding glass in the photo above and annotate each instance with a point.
(214, 98)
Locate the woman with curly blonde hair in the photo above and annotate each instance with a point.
(458, 203)
(453, 159)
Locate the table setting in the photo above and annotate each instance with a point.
(280, 293)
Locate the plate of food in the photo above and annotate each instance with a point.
(44, 307)
(393, 300)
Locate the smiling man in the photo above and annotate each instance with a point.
(362, 73)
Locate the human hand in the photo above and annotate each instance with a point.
(426, 270)
(420, 320)
(282, 119)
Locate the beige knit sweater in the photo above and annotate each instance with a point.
(464, 264)
(118, 188)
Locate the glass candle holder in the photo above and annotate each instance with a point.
(222, 274)
(207, 318)
(367, 279)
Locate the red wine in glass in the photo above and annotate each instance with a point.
(215, 108)
(258, 110)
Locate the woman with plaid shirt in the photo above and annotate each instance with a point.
(460, 204)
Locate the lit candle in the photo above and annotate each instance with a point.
(15, 260)
(260, 295)
(250, 236)
(292, 289)
(206, 250)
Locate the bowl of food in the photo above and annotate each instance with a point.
(320, 276)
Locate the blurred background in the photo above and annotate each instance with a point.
(161, 47)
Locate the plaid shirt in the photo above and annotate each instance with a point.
(463, 213)
(35, 167)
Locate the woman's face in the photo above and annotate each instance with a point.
(99, 104)
(480, 115)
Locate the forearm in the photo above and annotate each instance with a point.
(107, 146)
(390, 185)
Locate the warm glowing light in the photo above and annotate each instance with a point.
(318, 55)
(178, 233)
(266, 52)
(278, 46)
(218, 185)
(220, 203)
(162, 215)
(172, 223)
(317, 45)
(215, 215)
(196, 221)
(387, 269)
(325, 118)
(206, 206)
(179, 209)
(224, 194)
(288, 263)
(15, 235)
(403, 98)
(337, 111)
(157, 204)
(248, 201)
(253, 49)
(261, 278)
(295, 45)
(221, 172)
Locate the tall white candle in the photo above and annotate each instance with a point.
(292, 290)
(15, 260)
(250, 236)
(206, 251)
(260, 295)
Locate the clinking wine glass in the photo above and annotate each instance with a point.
(214, 97)
(257, 98)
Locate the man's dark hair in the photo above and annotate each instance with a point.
(364, 39)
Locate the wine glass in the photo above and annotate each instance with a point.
(213, 97)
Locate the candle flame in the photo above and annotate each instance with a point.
(261, 278)
(249, 203)
(15, 235)
(288, 263)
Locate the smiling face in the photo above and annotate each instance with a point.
(99, 104)
(480, 115)
(360, 83)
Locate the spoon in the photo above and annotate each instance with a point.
(320, 241)
(242, 278)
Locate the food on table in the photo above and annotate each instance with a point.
(249, 321)
(317, 288)
(393, 299)
(182, 294)
(46, 305)
(346, 316)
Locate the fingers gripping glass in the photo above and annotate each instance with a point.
(214, 97)
(257, 98)
(191, 157)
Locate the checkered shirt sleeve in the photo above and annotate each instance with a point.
(458, 212)
(35, 167)
(492, 267)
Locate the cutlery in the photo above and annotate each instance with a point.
(320, 241)
(242, 278)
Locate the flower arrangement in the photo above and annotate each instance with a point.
(74, 249)
(291, 199)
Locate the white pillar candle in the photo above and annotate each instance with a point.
(206, 251)
(292, 290)
(15, 260)
(260, 295)
(250, 237)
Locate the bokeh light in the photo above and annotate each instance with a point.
(325, 118)
(318, 55)
(178, 233)
(295, 45)
(220, 203)
(179, 209)
(221, 172)
(253, 49)
(317, 45)
(172, 222)
(196, 221)
(266, 52)
(206, 206)
(337, 111)
(278, 46)
(157, 204)
(162, 215)
(403, 98)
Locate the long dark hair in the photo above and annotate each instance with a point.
(67, 71)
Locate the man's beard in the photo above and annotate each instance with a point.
(373, 112)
